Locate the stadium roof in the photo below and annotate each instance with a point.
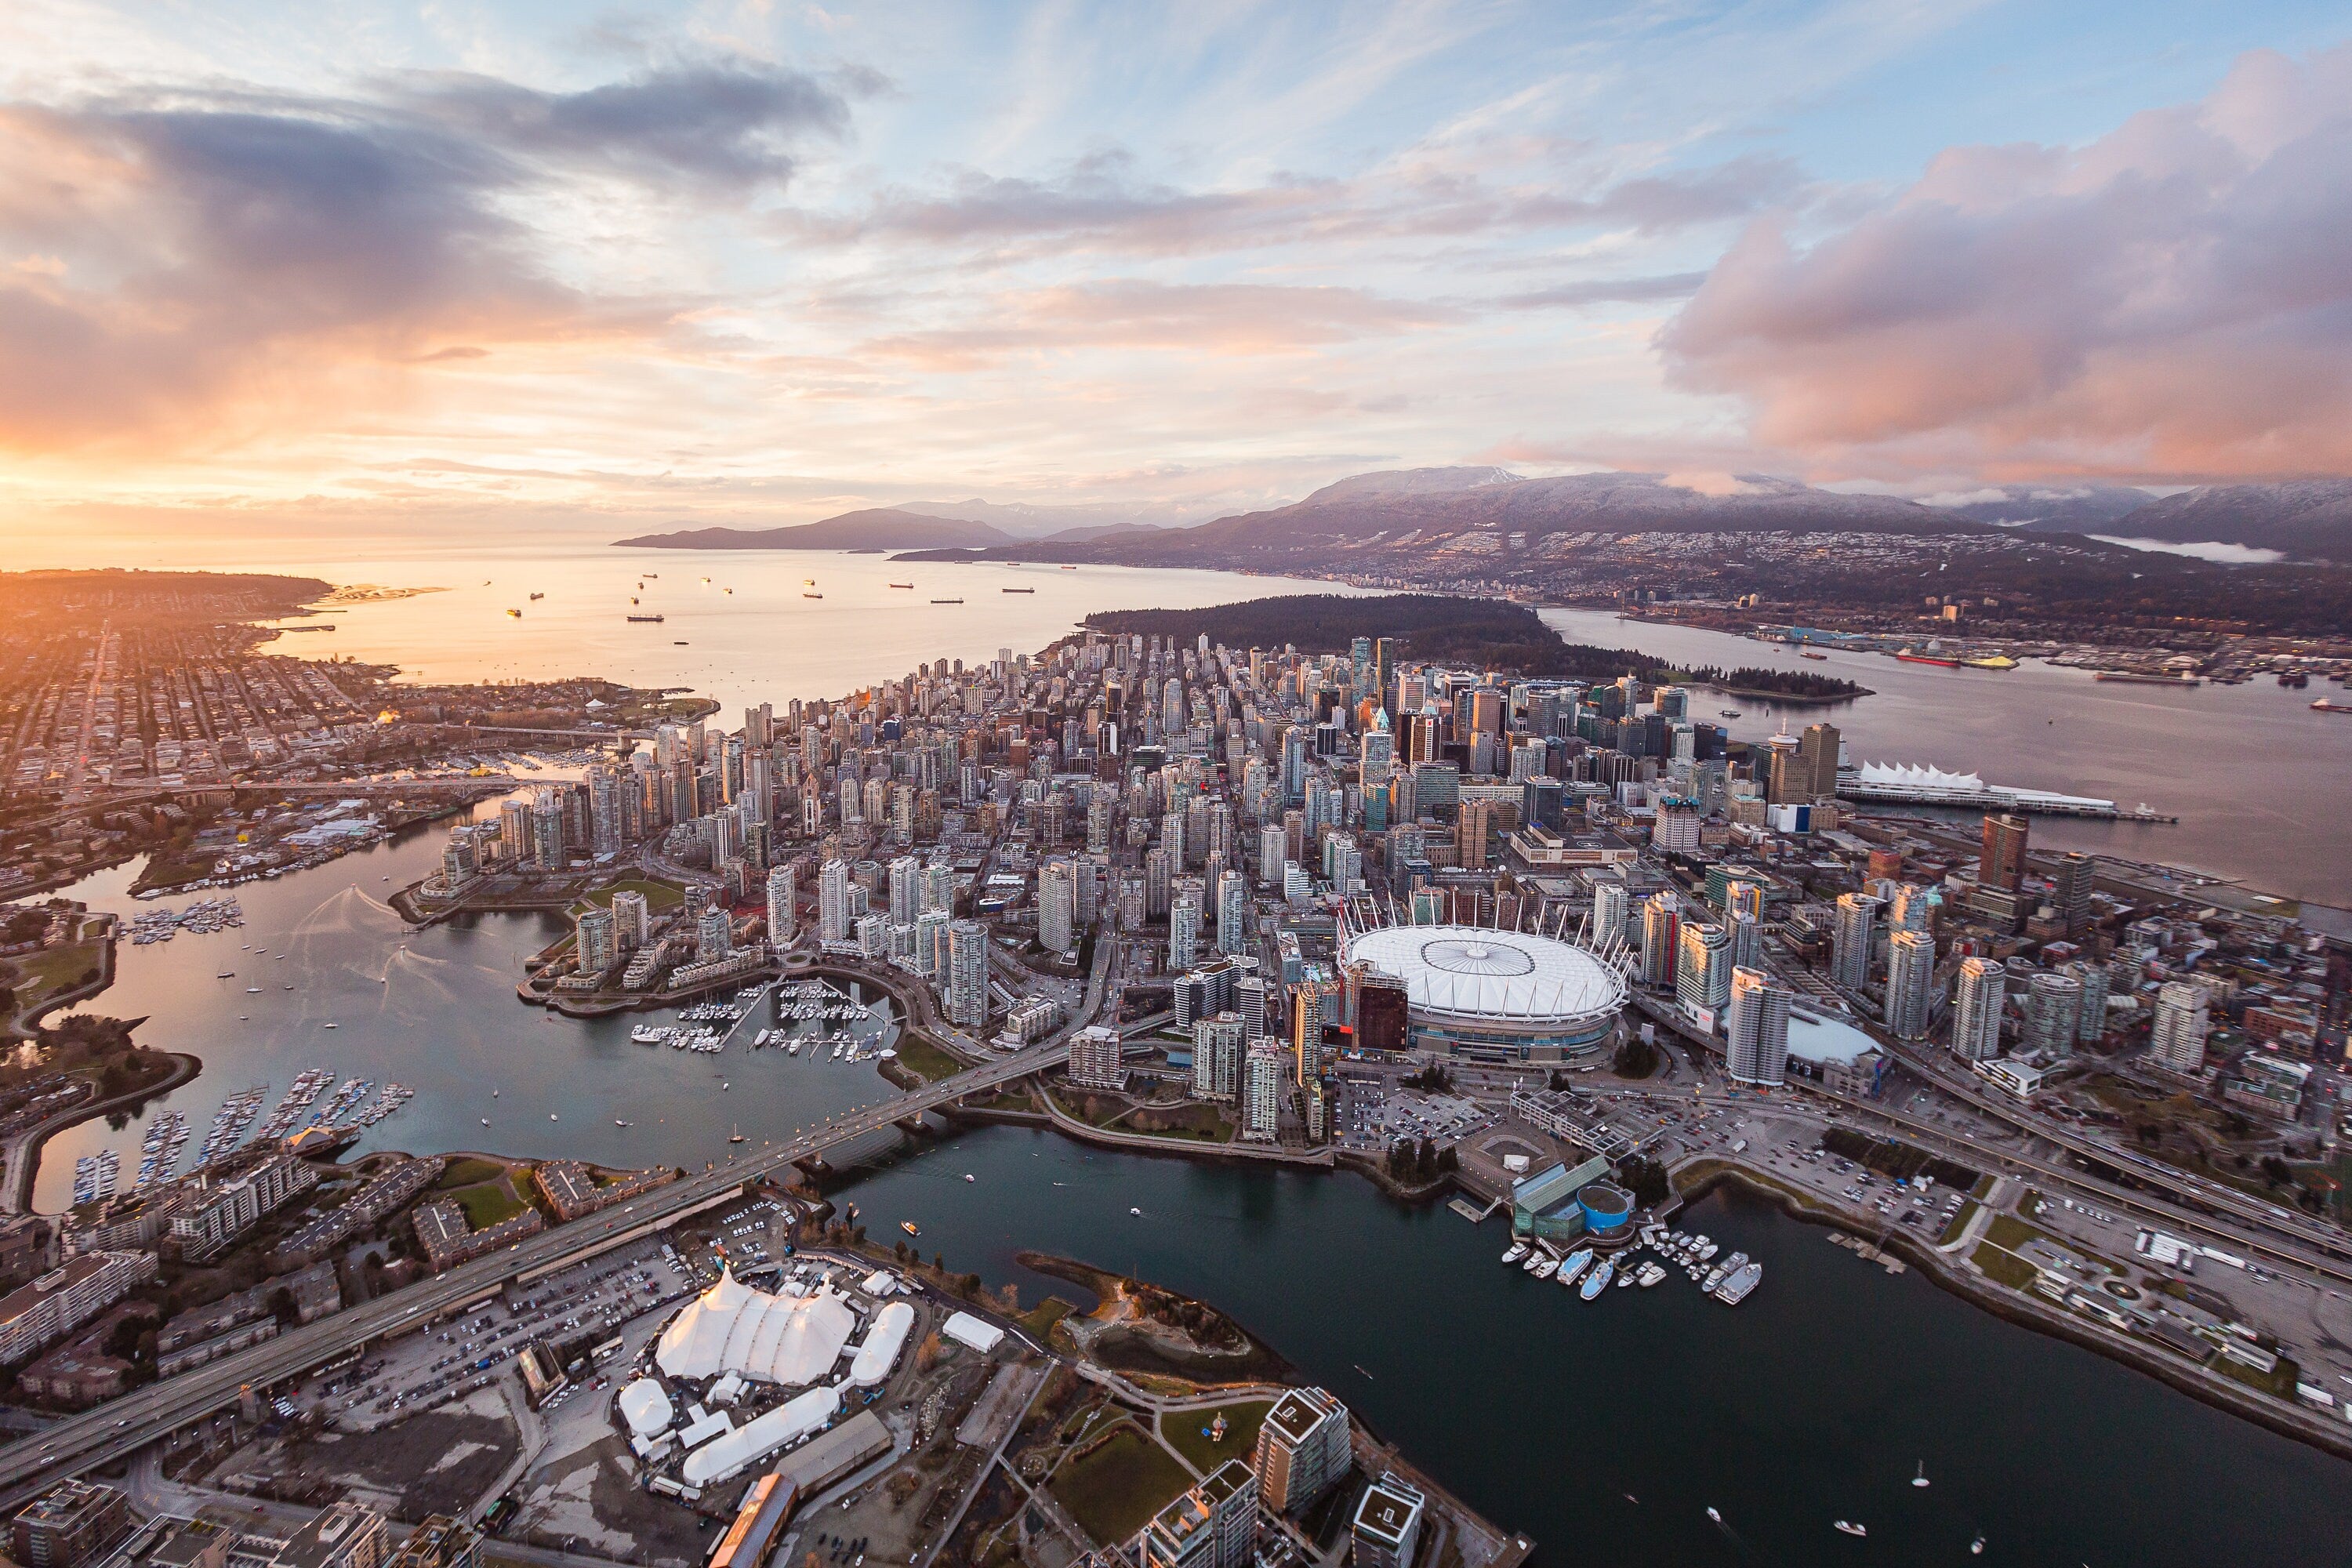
(1472, 971)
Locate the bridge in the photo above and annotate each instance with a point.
(123, 1426)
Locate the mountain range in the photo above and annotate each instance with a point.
(2307, 518)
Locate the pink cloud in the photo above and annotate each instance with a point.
(2170, 301)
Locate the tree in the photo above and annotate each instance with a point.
(1636, 1058)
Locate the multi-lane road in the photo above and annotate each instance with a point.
(129, 1424)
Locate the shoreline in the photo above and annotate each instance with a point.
(2332, 1437)
(24, 1156)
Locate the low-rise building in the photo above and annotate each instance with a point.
(573, 1189)
(72, 1523)
(65, 1298)
(443, 1232)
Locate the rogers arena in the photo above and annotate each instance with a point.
(1496, 995)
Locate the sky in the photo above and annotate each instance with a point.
(350, 268)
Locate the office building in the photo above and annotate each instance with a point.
(1977, 1009)
(1302, 1450)
(1910, 982)
(1755, 1029)
(1850, 939)
(2177, 1041)
(2070, 892)
(2002, 862)
(1816, 751)
(2091, 1023)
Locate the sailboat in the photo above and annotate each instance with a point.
(735, 1135)
(1921, 1479)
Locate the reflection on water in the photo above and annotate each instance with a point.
(1607, 1428)
(436, 1010)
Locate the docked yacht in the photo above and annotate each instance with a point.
(1576, 1264)
(1598, 1281)
(1546, 1269)
(1519, 1250)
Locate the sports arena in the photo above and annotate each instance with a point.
(1490, 995)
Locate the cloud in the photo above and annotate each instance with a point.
(722, 123)
(1609, 292)
(2168, 302)
(206, 256)
(1101, 202)
(1223, 319)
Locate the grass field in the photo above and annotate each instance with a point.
(468, 1172)
(1960, 1217)
(2004, 1268)
(487, 1204)
(1114, 1491)
(1182, 1429)
(925, 1059)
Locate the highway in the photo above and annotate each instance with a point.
(123, 1426)
(2305, 1246)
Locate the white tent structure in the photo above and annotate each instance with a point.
(755, 1440)
(770, 1338)
(645, 1407)
(884, 1340)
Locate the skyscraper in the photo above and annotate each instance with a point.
(1302, 1450)
(781, 926)
(1218, 1043)
(593, 941)
(967, 974)
(1977, 1009)
(1746, 932)
(1818, 749)
(1910, 981)
(1184, 926)
(2053, 1013)
(1703, 971)
(2177, 1040)
(833, 913)
(1263, 1081)
(2002, 862)
(1232, 913)
(906, 889)
(1212, 1525)
(632, 921)
(2091, 1023)
(1610, 902)
(1661, 935)
(2071, 891)
(1755, 1029)
(1053, 906)
(1850, 939)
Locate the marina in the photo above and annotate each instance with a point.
(1600, 1265)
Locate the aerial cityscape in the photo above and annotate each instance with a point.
(1575, 855)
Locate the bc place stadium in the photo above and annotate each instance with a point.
(1497, 995)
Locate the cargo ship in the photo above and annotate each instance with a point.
(2324, 705)
(1019, 590)
(2133, 678)
(812, 596)
(655, 620)
(947, 601)
(1809, 653)
(1941, 661)
(902, 584)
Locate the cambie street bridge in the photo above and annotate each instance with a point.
(125, 1425)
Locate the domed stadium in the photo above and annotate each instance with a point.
(1496, 995)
